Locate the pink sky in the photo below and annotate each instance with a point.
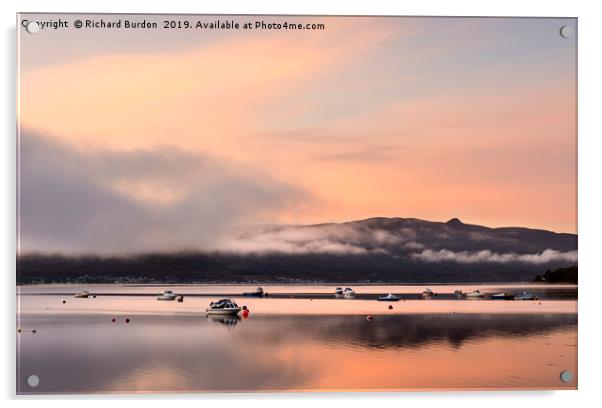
(410, 117)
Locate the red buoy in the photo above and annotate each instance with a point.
(245, 313)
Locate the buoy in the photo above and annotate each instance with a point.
(127, 320)
(245, 313)
(64, 301)
(18, 330)
(390, 307)
(94, 296)
(33, 331)
(113, 320)
(369, 318)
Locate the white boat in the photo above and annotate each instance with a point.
(526, 296)
(82, 295)
(348, 293)
(475, 294)
(167, 295)
(389, 298)
(338, 291)
(223, 307)
(427, 293)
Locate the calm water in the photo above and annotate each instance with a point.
(291, 342)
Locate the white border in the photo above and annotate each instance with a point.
(590, 196)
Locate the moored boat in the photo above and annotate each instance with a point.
(223, 307)
(389, 298)
(82, 295)
(525, 296)
(427, 293)
(258, 293)
(348, 293)
(475, 294)
(167, 295)
(503, 296)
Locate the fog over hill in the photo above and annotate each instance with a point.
(375, 249)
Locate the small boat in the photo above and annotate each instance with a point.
(525, 296)
(338, 291)
(503, 296)
(348, 293)
(475, 294)
(427, 294)
(223, 307)
(258, 293)
(167, 295)
(459, 293)
(389, 298)
(180, 299)
(82, 295)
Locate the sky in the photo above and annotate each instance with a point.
(134, 140)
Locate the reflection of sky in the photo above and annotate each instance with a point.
(153, 353)
(431, 118)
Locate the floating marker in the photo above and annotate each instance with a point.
(127, 320)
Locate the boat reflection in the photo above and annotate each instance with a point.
(227, 320)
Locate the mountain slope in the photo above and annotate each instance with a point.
(375, 249)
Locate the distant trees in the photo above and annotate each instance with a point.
(560, 275)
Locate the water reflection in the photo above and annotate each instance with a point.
(228, 321)
(90, 353)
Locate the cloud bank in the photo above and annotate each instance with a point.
(335, 239)
(74, 199)
(487, 256)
